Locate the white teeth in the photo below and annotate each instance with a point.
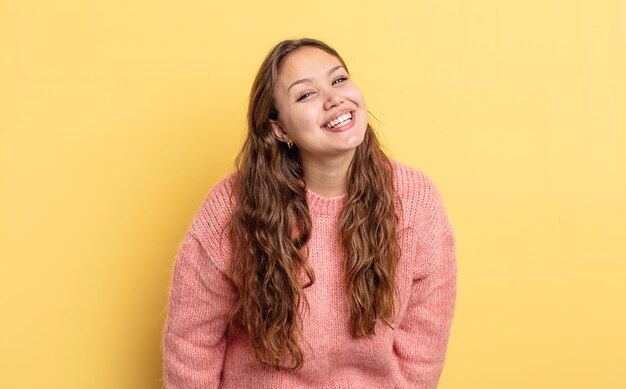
(341, 120)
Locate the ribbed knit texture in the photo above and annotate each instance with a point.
(199, 353)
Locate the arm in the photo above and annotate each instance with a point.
(422, 336)
(194, 339)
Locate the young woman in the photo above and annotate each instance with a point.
(319, 263)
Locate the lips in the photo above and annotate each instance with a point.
(339, 119)
(342, 126)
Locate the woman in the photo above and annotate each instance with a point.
(319, 262)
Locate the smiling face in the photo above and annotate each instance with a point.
(319, 108)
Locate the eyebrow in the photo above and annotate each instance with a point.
(308, 79)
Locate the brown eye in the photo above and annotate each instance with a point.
(304, 96)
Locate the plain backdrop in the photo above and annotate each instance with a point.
(117, 118)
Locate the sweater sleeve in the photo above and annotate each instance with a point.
(194, 339)
(421, 338)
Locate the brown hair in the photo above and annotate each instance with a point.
(271, 226)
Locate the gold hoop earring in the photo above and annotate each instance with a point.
(290, 144)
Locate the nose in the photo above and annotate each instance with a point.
(333, 99)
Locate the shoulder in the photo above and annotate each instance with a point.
(211, 225)
(418, 193)
(423, 221)
(410, 182)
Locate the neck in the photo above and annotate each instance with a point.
(327, 177)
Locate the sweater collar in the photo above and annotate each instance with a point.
(321, 205)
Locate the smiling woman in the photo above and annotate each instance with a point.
(319, 262)
(323, 112)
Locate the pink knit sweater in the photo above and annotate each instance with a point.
(199, 353)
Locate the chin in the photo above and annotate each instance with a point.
(356, 140)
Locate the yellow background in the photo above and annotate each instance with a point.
(117, 117)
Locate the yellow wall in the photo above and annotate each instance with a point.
(116, 118)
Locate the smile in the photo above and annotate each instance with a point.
(340, 122)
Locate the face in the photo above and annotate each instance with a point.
(319, 108)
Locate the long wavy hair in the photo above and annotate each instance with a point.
(271, 226)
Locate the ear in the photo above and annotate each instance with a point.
(279, 133)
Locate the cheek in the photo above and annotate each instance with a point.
(299, 121)
(308, 116)
(355, 95)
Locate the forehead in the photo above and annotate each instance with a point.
(306, 62)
